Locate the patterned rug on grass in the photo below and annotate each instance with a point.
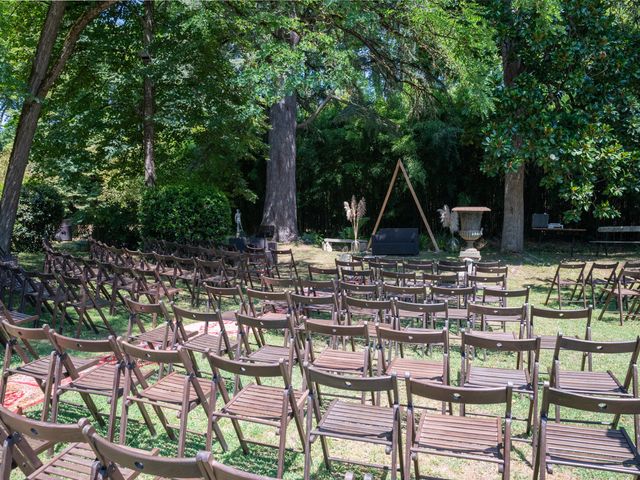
(23, 392)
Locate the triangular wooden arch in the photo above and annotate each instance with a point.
(400, 167)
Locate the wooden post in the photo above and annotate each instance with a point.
(400, 166)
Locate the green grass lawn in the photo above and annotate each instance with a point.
(529, 269)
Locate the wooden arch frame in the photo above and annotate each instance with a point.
(400, 167)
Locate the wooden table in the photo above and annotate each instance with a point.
(568, 231)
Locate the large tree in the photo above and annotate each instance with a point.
(571, 112)
(45, 71)
(308, 54)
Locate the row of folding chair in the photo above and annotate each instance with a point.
(88, 455)
(610, 449)
(174, 357)
(580, 282)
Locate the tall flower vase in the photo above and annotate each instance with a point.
(470, 229)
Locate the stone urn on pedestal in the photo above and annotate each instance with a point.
(470, 229)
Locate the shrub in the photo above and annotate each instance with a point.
(115, 220)
(184, 213)
(40, 212)
(311, 238)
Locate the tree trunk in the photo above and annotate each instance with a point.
(27, 125)
(280, 207)
(41, 79)
(513, 218)
(148, 110)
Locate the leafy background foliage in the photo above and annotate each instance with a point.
(40, 213)
(403, 81)
(185, 213)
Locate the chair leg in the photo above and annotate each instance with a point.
(165, 423)
(282, 444)
(553, 284)
(240, 435)
(559, 294)
(184, 416)
(48, 386)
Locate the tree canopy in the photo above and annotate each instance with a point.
(373, 82)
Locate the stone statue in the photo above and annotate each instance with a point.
(238, 220)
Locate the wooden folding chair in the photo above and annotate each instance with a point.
(265, 352)
(372, 311)
(206, 340)
(602, 449)
(349, 264)
(603, 276)
(277, 284)
(310, 307)
(27, 438)
(599, 383)
(425, 313)
(480, 281)
(482, 316)
(116, 462)
(210, 272)
(186, 273)
(390, 341)
(489, 266)
(335, 357)
(165, 267)
(457, 298)
(153, 287)
(41, 369)
(504, 297)
(361, 277)
(316, 288)
(419, 266)
(79, 296)
(356, 290)
(283, 263)
(321, 272)
(106, 379)
(574, 317)
(18, 450)
(180, 392)
(351, 421)
(273, 406)
(218, 297)
(256, 264)
(39, 289)
(477, 438)
(407, 293)
(10, 283)
(625, 290)
(17, 318)
(440, 279)
(268, 305)
(164, 336)
(524, 381)
(123, 281)
(569, 275)
(459, 269)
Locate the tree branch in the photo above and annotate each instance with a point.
(315, 114)
(69, 44)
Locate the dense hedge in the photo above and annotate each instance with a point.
(181, 213)
(40, 212)
(115, 221)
